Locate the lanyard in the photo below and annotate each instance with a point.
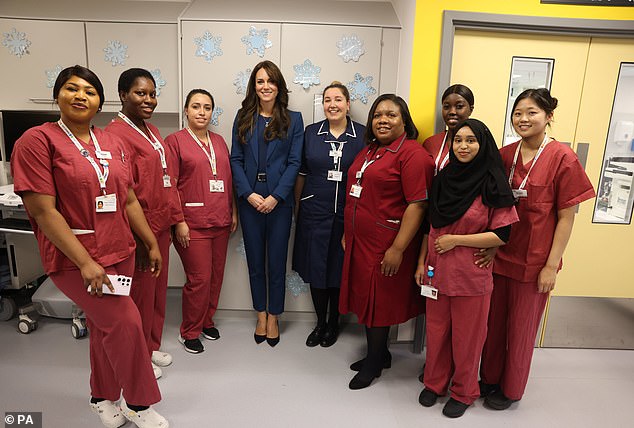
(211, 157)
(440, 165)
(537, 155)
(102, 177)
(155, 144)
(337, 159)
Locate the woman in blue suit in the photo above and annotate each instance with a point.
(265, 159)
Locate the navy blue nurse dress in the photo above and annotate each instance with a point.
(317, 254)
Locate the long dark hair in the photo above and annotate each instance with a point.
(410, 127)
(250, 105)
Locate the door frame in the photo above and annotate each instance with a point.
(453, 20)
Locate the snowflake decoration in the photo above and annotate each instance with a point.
(360, 88)
(295, 284)
(16, 42)
(51, 75)
(116, 52)
(215, 116)
(241, 81)
(306, 74)
(240, 249)
(208, 46)
(257, 41)
(350, 48)
(158, 79)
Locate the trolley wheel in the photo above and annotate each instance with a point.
(78, 329)
(26, 327)
(8, 308)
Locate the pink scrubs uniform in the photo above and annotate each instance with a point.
(162, 209)
(400, 174)
(45, 161)
(557, 181)
(209, 216)
(457, 321)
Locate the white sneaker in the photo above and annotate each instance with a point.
(109, 413)
(161, 359)
(145, 418)
(157, 371)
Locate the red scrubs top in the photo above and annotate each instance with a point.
(455, 272)
(556, 182)
(160, 204)
(45, 160)
(201, 207)
(433, 145)
(401, 174)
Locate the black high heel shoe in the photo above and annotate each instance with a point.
(272, 341)
(259, 338)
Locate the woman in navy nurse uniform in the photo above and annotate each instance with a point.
(330, 146)
(266, 154)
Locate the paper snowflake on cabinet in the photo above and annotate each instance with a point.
(241, 81)
(360, 88)
(306, 74)
(295, 284)
(158, 79)
(16, 42)
(257, 41)
(51, 75)
(116, 52)
(215, 115)
(350, 48)
(208, 46)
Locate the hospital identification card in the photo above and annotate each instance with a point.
(106, 203)
(167, 182)
(429, 291)
(216, 186)
(355, 191)
(335, 175)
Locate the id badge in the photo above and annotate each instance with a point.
(102, 154)
(106, 204)
(429, 292)
(519, 193)
(216, 186)
(167, 182)
(335, 175)
(335, 153)
(355, 191)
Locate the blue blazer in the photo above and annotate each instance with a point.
(283, 159)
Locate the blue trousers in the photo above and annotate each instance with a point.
(266, 233)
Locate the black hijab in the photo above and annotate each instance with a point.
(458, 184)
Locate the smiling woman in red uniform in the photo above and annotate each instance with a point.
(62, 171)
(456, 106)
(152, 169)
(203, 174)
(471, 206)
(548, 182)
(386, 202)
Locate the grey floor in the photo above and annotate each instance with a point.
(236, 383)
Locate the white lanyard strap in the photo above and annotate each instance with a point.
(537, 155)
(440, 164)
(155, 143)
(337, 159)
(102, 177)
(210, 156)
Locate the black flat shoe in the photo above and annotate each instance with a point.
(330, 337)
(498, 401)
(315, 337)
(358, 365)
(427, 397)
(454, 408)
(487, 389)
(363, 380)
